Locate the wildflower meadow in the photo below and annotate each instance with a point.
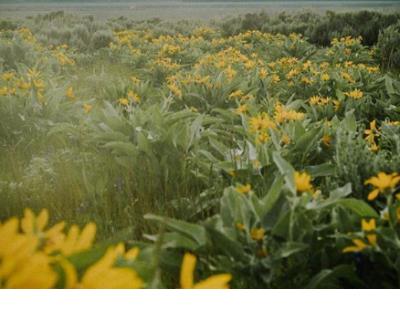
(183, 154)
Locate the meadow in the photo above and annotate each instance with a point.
(190, 10)
(260, 151)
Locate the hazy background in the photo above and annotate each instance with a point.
(185, 9)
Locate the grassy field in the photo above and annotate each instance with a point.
(261, 151)
(174, 10)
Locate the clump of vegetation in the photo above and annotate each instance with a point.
(319, 29)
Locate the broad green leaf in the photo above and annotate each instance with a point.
(226, 245)
(359, 207)
(290, 248)
(267, 203)
(286, 170)
(195, 232)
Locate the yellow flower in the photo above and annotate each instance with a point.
(243, 188)
(241, 109)
(325, 77)
(123, 101)
(383, 183)
(219, 281)
(285, 139)
(3, 91)
(262, 73)
(236, 94)
(87, 107)
(359, 245)
(175, 90)
(7, 76)
(262, 138)
(261, 122)
(76, 241)
(306, 80)
(257, 234)
(326, 139)
(355, 94)
(275, 78)
(134, 97)
(70, 93)
(35, 272)
(230, 73)
(35, 226)
(135, 80)
(23, 85)
(371, 134)
(303, 182)
(283, 114)
(21, 266)
(104, 274)
(314, 100)
(368, 225)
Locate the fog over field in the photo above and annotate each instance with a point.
(185, 9)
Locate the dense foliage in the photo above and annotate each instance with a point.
(318, 29)
(257, 159)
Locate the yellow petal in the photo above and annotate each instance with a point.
(187, 269)
(86, 238)
(132, 253)
(373, 194)
(219, 281)
(27, 223)
(42, 220)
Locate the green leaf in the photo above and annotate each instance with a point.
(286, 170)
(195, 232)
(389, 85)
(226, 245)
(331, 278)
(359, 207)
(267, 203)
(325, 169)
(290, 248)
(174, 240)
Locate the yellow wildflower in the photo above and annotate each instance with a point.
(241, 109)
(133, 97)
(236, 94)
(257, 234)
(7, 76)
(262, 73)
(261, 122)
(87, 107)
(355, 94)
(326, 140)
(383, 183)
(74, 241)
(218, 281)
(303, 182)
(262, 138)
(243, 188)
(104, 274)
(325, 77)
(123, 101)
(70, 93)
